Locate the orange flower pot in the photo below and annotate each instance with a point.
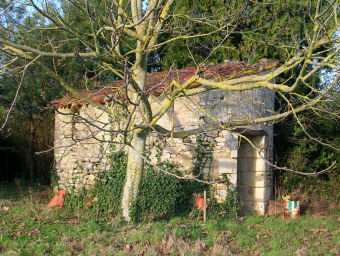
(58, 200)
(200, 203)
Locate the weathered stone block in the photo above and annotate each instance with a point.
(91, 177)
(254, 165)
(259, 141)
(206, 170)
(221, 193)
(250, 207)
(220, 140)
(223, 133)
(63, 174)
(210, 139)
(223, 153)
(220, 186)
(231, 141)
(226, 165)
(233, 154)
(246, 150)
(232, 179)
(254, 179)
(255, 194)
(165, 157)
(242, 164)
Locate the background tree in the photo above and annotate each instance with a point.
(123, 36)
(27, 131)
(30, 125)
(309, 142)
(261, 29)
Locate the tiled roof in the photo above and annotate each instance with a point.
(158, 82)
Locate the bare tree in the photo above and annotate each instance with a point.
(122, 36)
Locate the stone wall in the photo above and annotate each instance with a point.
(80, 147)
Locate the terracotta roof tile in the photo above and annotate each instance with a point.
(158, 82)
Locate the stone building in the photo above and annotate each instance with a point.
(240, 153)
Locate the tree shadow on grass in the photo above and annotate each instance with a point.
(16, 191)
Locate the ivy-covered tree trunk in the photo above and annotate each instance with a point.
(134, 172)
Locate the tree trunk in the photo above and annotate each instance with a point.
(31, 150)
(135, 164)
(135, 161)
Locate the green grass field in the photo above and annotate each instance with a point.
(28, 227)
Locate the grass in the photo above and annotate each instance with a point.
(28, 227)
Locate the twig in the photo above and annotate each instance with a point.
(17, 93)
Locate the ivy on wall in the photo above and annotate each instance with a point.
(161, 196)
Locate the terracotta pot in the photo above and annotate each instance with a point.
(200, 203)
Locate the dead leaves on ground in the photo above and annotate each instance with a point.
(33, 232)
(255, 226)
